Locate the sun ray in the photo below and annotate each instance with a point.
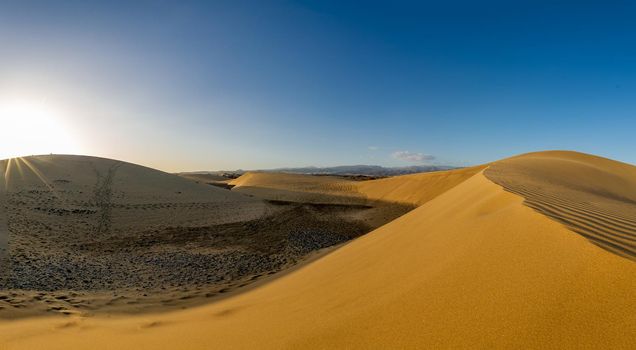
(19, 168)
(42, 178)
(7, 173)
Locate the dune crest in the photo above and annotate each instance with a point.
(415, 189)
(593, 196)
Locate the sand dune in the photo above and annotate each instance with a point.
(415, 189)
(121, 193)
(109, 184)
(592, 196)
(298, 188)
(209, 179)
(472, 267)
(387, 198)
(82, 227)
(71, 173)
(203, 177)
(92, 235)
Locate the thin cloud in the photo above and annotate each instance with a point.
(412, 157)
(373, 148)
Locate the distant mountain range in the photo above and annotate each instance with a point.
(366, 170)
(369, 170)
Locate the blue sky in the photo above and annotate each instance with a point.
(263, 84)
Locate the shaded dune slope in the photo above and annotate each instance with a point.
(121, 193)
(594, 197)
(67, 173)
(471, 268)
(77, 228)
(203, 177)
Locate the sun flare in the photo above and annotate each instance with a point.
(32, 127)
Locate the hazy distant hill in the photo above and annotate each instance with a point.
(371, 170)
(367, 170)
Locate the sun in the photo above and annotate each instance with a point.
(29, 127)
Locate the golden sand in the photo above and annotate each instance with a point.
(298, 188)
(473, 267)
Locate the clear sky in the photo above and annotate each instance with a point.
(260, 84)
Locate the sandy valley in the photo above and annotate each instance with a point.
(92, 236)
(106, 254)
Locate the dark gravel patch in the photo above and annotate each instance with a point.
(184, 256)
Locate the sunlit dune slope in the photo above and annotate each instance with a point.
(472, 268)
(387, 198)
(413, 189)
(593, 196)
(298, 188)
